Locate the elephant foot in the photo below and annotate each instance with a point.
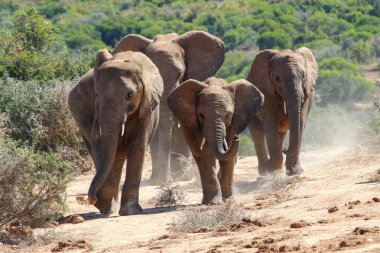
(230, 199)
(263, 171)
(217, 200)
(130, 208)
(294, 171)
(293, 168)
(106, 208)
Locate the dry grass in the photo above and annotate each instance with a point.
(196, 218)
(170, 195)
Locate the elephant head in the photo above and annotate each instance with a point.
(290, 76)
(214, 108)
(127, 87)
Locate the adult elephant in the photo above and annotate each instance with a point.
(196, 55)
(115, 106)
(212, 115)
(287, 80)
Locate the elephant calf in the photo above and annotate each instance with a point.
(115, 106)
(212, 115)
(287, 80)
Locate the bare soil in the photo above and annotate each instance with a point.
(333, 206)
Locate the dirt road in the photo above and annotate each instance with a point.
(334, 205)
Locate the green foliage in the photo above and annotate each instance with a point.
(30, 49)
(340, 79)
(32, 184)
(246, 147)
(39, 114)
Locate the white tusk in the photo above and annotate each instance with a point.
(179, 126)
(225, 144)
(284, 107)
(122, 129)
(100, 131)
(203, 142)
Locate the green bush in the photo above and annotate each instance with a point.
(341, 82)
(246, 147)
(32, 184)
(30, 48)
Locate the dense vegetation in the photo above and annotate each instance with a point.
(44, 49)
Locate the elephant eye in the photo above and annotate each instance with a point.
(129, 95)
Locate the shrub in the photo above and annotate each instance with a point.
(30, 48)
(170, 195)
(32, 183)
(192, 219)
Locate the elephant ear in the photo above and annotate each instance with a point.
(248, 100)
(259, 74)
(102, 56)
(153, 86)
(132, 42)
(182, 102)
(204, 54)
(311, 70)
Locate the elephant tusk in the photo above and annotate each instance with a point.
(284, 107)
(225, 144)
(179, 126)
(203, 142)
(100, 131)
(122, 129)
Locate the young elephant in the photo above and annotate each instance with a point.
(115, 106)
(212, 115)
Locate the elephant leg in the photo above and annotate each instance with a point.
(210, 183)
(155, 151)
(130, 192)
(107, 195)
(180, 150)
(274, 140)
(226, 178)
(160, 167)
(257, 134)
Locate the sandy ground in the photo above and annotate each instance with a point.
(294, 219)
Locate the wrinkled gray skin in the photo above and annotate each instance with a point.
(215, 111)
(287, 80)
(115, 106)
(197, 55)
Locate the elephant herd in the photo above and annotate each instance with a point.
(162, 93)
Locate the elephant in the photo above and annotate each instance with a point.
(116, 107)
(212, 114)
(192, 55)
(287, 80)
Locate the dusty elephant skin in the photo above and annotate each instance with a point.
(287, 80)
(116, 108)
(212, 115)
(196, 55)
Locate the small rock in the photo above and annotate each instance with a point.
(333, 209)
(343, 244)
(73, 219)
(299, 224)
(163, 237)
(269, 240)
(248, 246)
(376, 199)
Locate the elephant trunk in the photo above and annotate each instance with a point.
(293, 107)
(216, 140)
(110, 129)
